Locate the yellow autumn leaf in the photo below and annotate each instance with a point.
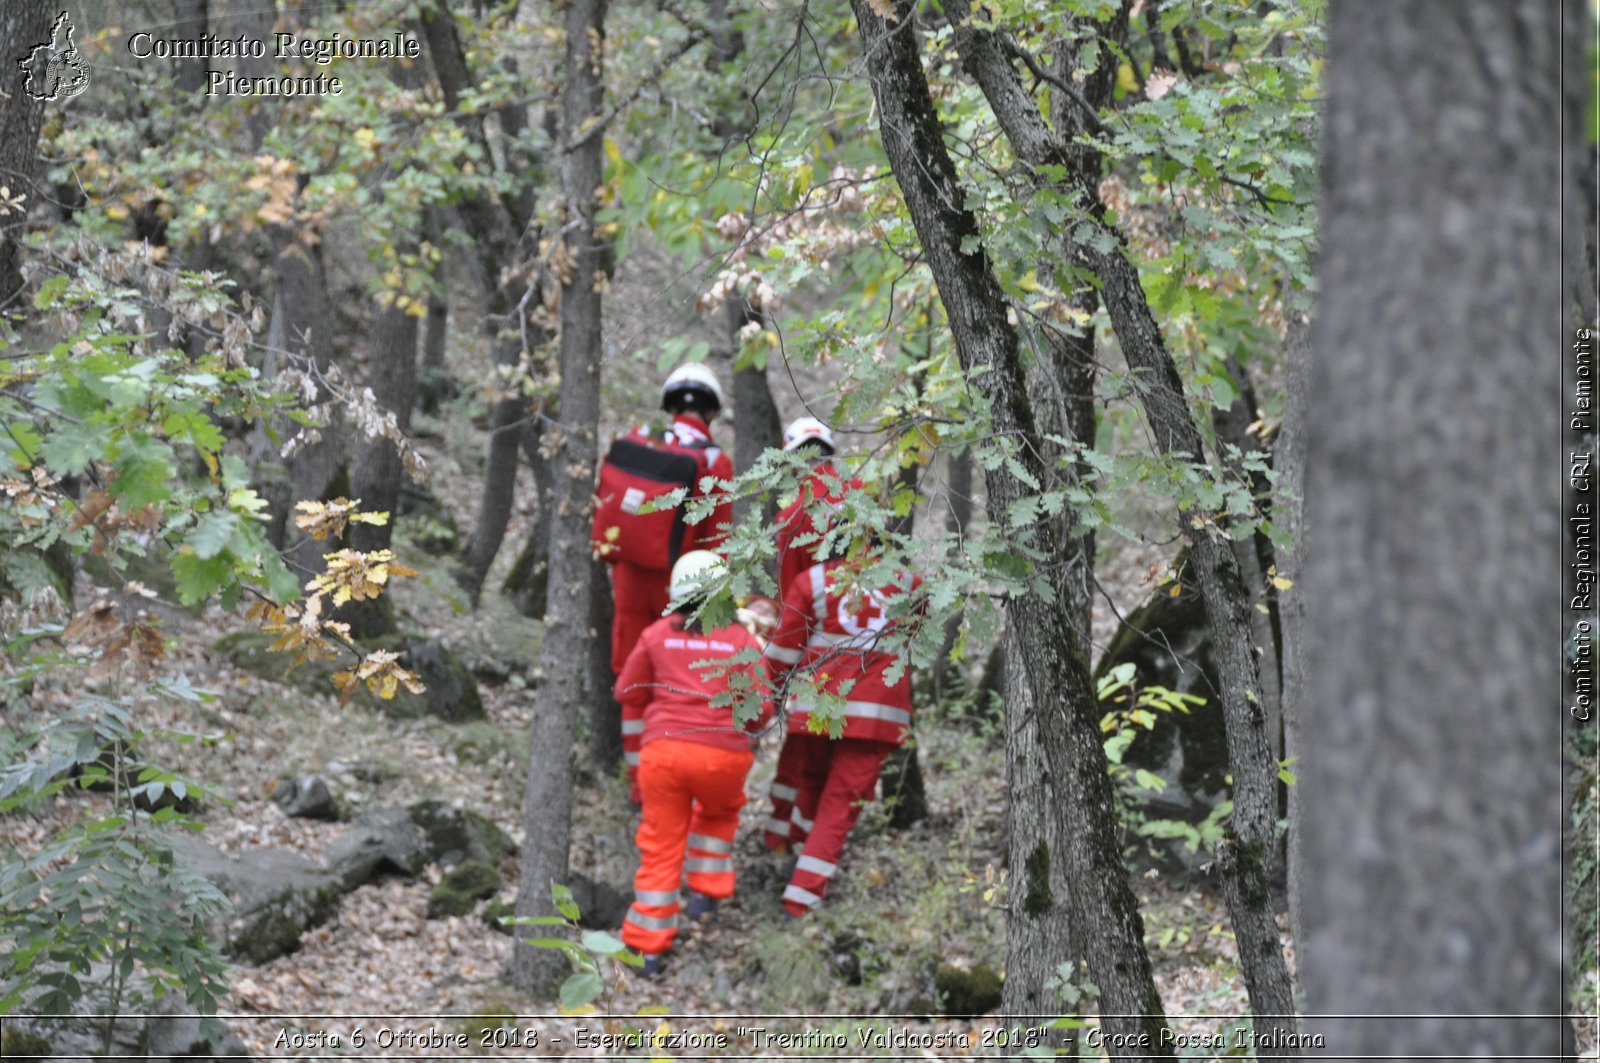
(1281, 583)
(884, 9)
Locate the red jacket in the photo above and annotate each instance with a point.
(692, 436)
(833, 630)
(663, 694)
(794, 522)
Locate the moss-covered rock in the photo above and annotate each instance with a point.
(454, 835)
(277, 895)
(451, 694)
(463, 888)
(481, 1023)
(16, 1044)
(495, 911)
(967, 994)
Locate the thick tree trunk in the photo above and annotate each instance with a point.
(1432, 761)
(376, 473)
(1047, 648)
(1255, 778)
(24, 24)
(549, 799)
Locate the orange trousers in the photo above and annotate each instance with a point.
(691, 793)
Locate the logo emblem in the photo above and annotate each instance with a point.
(867, 613)
(55, 69)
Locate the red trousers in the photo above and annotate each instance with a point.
(691, 794)
(817, 794)
(638, 598)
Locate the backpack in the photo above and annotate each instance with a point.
(635, 473)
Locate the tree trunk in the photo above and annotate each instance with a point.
(1047, 648)
(757, 424)
(528, 581)
(24, 24)
(1432, 766)
(495, 223)
(1255, 777)
(376, 472)
(901, 778)
(433, 377)
(549, 799)
(499, 494)
(189, 19)
(949, 676)
(1288, 512)
(1039, 927)
(605, 715)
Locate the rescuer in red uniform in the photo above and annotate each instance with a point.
(833, 627)
(642, 547)
(799, 536)
(798, 531)
(693, 758)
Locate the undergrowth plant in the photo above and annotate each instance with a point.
(116, 451)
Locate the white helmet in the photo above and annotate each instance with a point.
(692, 572)
(692, 376)
(804, 430)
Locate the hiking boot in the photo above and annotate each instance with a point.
(700, 907)
(652, 966)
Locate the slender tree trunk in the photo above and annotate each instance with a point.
(1432, 767)
(190, 22)
(1047, 648)
(499, 494)
(605, 715)
(433, 376)
(528, 580)
(1248, 846)
(1288, 512)
(496, 224)
(1245, 854)
(901, 780)
(549, 799)
(24, 24)
(756, 415)
(949, 676)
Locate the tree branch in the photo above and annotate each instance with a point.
(595, 128)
